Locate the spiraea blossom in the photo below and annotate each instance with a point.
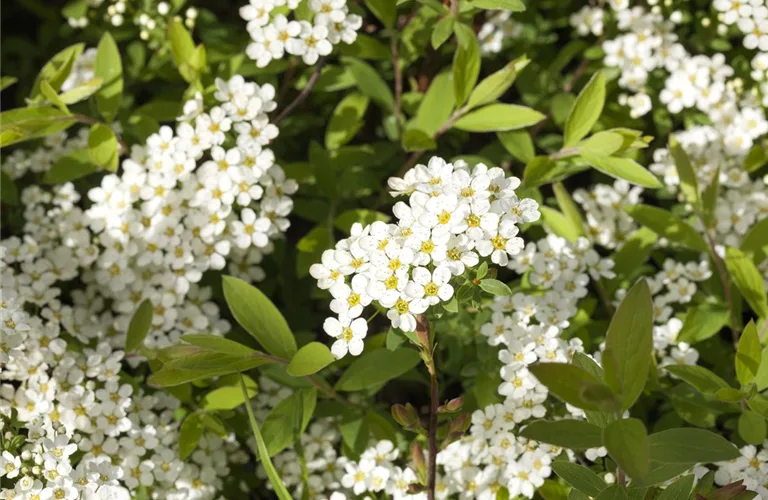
(275, 29)
(184, 204)
(149, 18)
(455, 216)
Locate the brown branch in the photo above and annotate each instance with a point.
(287, 81)
(432, 436)
(398, 80)
(424, 332)
(303, 94)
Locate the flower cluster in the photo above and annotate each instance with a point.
(751, 467)
(454, 217)
(648, 46)
(607, 224)
(149, 17)
(495, 30)
(73, 424)
(181, 206)
(742, 201)
(190, 200)
(274, 34)
(527, 327)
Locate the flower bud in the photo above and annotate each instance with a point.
(452, 406)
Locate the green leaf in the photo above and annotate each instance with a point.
(756, 158)
(729, 395)
(559, 224)
(579, 477)
(310, 359)
(495, 287)
(139, 326)
(629, 345)
(75, 9)
(569, 208)
(615, 492)
(679, 490)
(57, 69)
(464, 33)
(661, 473)
(748, 355)
(627, 444)
(586, 110)
(376, 367)
(258, 315)
(634, 252)
(395, 338)
(227, 397)
(709, 199)
(23, 124)
(572, 434)
(748, 280)
(687, 445)
(81, 92)
(52, 97)
(281, 425)
(518, 143)
(667, 225)
(497, 117)
(541, 170)
(621, 168)
(200, 366)
(759, 404)
(496, 84)
(689, 184)
(9, 193)
(72, 166)
(510, 5)
(761, 378)
(109, 68)
(698, 377)
(702, 322)
(442, 31)
(436, 106)
(218, 344)
(752, 427)
(182, 48)
(384, 10)
(755, 242)
(466, 69)
(346, 121)
(190, 432)
(603, 143)
(417, 140)
(263, 453)
(569, 383)
(102, 147)
(370, 83)
(7, 81)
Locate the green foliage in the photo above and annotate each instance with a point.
(628, 345)
(310, 359)
(374, 368)
(139, 326)
(573, 434)
(259, 316)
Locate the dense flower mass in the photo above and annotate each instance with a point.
(583, 247)
(184, 203)
(454, 217)
(278, 34)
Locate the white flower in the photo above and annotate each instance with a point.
(349, 334)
